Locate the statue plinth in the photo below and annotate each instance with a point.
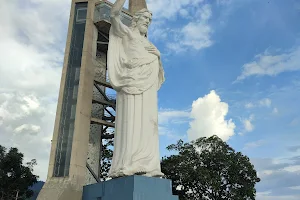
(130, 188)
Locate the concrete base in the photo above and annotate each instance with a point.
(60, 189)
(130, 188)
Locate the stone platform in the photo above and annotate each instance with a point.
(130, 188)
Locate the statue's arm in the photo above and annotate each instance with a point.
(118, 27)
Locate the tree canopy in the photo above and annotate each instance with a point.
(208, 168)
(16, 177)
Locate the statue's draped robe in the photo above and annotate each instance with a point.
(136, 75)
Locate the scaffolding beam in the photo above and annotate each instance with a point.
(92, 172)
(104, 83)
(101, 91)
(112, 118)
(110, 136)
(102, 122)
(107, 103)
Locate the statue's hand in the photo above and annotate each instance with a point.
(152, 49)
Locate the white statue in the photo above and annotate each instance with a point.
(135, 72)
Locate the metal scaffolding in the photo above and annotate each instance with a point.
(104, 97)
(107, 102)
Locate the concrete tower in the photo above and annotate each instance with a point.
(84, 111)
(136, 5)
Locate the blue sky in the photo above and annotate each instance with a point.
(232, 69)
(252, 64)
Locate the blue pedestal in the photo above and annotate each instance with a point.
(130, 188)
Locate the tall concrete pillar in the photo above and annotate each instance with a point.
(136, 5)
(69, 148)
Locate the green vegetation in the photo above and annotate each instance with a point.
(15, 177)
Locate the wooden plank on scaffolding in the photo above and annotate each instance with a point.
(102, 82)
(102, 122)
(103, 102)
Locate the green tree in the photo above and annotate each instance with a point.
(208, 168)
(16, 177)
(106, 158)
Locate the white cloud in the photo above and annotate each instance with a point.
(168, 119)
(167, 115)
(249, 105)
(275, 111)
(195, 34)
(263, 193)
(208, 118)
(272, 171)
(28, 129)
(295, 187)
(272, 65)
(224, 2)
(265, 102)
(33, 129)
(248, 126)
(184, 13)
(294, 168)
(170, 133)
(254, 144)
(168, 9)
(159, 34)
(32, 39)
